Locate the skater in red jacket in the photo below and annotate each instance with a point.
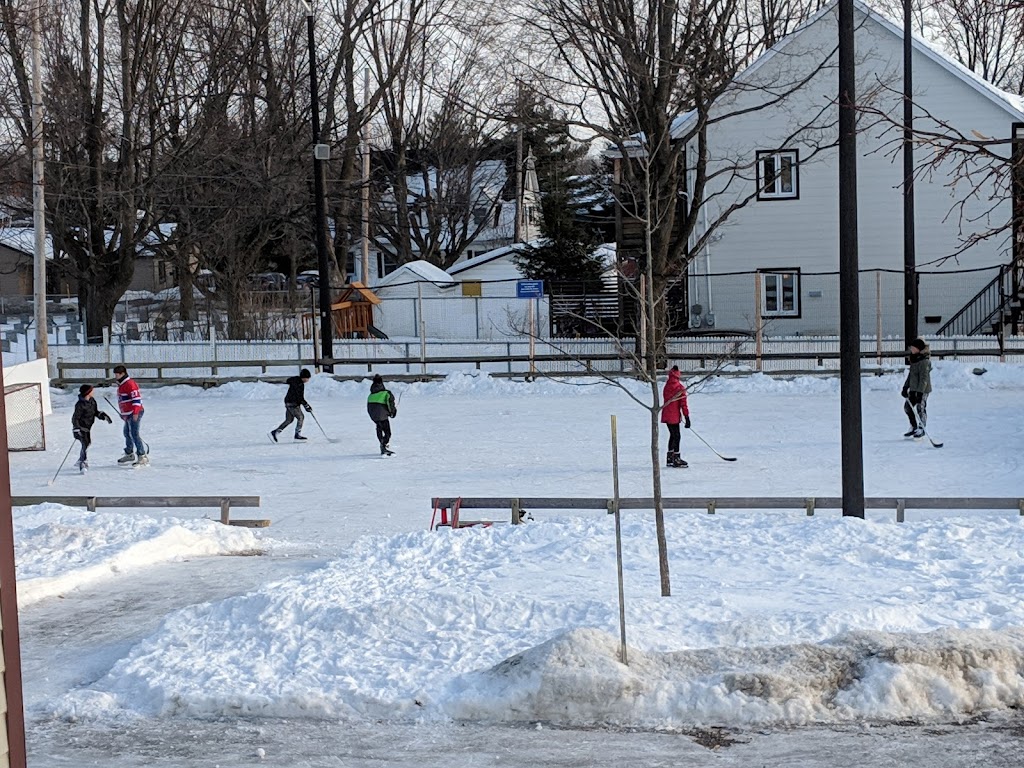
(129, 403)
(673, 411)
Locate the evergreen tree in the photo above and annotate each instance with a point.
(566, 251)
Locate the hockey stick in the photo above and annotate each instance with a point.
(723, 458)
(62, 463)
(935, 443)
(329, 439)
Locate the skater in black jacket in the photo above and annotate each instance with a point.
(294, 402)
(381, 407)
(85, 415)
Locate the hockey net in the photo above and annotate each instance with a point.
(25, 426)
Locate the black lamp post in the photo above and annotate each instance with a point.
(910, 308)
(849, 289)
(321, 152)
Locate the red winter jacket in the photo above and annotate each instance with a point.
(129, 399)
(674, 399)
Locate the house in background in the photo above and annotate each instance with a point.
(153, 270)
(787, 180)
(421, 298)
(492, 220)
(17, 264)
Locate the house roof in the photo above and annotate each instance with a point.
(417, 272)
(1013, 104)
(484, 258)
(23, 239)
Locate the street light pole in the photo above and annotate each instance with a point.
(910, 309)
(320, 153)
(851, 421)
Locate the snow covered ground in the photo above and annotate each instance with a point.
(349, 634)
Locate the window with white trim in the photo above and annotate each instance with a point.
(780, 293)
(777, 175)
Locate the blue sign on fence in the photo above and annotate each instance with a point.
(530, 289)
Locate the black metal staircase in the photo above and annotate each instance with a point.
(995, 310)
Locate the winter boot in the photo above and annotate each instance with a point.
(142, 461)
(128, 458)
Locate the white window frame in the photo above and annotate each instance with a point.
(777, 190)
(774, 293)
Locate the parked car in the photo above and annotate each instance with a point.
(273, 281)
(310, 277)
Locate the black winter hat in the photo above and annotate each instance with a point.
(305, 374)
(378, 379)
(84, 390)
(918, 343)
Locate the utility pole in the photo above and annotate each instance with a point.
(366, 183)
(321, 152)
(849, 288)
(517, 227)
(38, 186)
(910, 308)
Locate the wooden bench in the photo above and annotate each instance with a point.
(518, 506)
(92, 503)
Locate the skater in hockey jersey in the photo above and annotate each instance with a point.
(917, 386)
(294, 402)
(129, 403)
(673, 411)
(381, 407)
(85, 415)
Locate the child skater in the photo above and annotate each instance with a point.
(381, 407)
(85, 415)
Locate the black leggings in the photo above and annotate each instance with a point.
(916, 404)
(384, 431)
(673, 438)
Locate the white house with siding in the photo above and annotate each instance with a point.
(788, 178)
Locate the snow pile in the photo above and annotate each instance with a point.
(60, 548)
(775, 618)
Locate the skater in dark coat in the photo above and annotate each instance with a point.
(381, 407)
(294, 402)
(917, 386)
(85, 415)
(673, 411)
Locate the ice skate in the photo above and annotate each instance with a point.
(300, 437)
(128, 458)
(142, 461)
(273, 435)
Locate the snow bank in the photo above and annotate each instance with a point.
(794, 621)
(60, 548)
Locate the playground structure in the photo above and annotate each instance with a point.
(351, 314)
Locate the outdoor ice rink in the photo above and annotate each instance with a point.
(347, 634)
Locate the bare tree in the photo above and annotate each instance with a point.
(653, 79)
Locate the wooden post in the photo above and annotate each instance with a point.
(809, 506)
(91, 504)
(516, 513)
(901, 506)
(225, 511)
(533, 335)
(643, 322)
(758, 335)
(422, 329)
(878, 317)
(618, 541)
